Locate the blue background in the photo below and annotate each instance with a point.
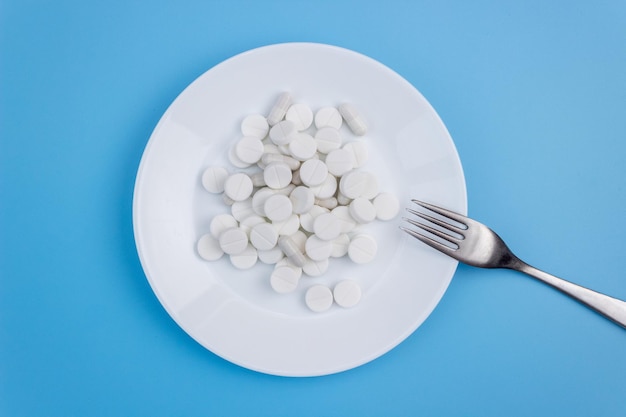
(534, 95)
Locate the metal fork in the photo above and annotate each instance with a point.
(475, 244)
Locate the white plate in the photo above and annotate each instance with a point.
(236, 314)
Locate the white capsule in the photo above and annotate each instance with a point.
(303, 147)
(283, 132)
(362, 210)
(319, 298)
(328, 117)
(238, 186)
(246, 259)
(284, 279)
(317, 249)
(347, 293)
(387, 206)
(302, 199)
(269, 158)
(353, 118)
(326, 226)
(328, 139)
(279, 109)
(313, 172)
(220, 223)
(233, 241)
(339, 161)
(278, 207)
(291, 250)
(255, 126)
(277, 175)
(249, 149)
(213, 179)
(209, 248)
(359, 151)
(301, 115)
(362, 249)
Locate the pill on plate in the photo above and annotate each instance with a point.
(340, 246)
(238, 186)
(234, 159)
(287, 227)
(277, 175)
(362, 210)
(328, 117)
(346, 221)
(220, 223)
(278, 111)
(326, 226)
(263, 236)
(278, 207)
(342, 200)
(313, 172)
(317, 249)
(303, 147)
(268, 158)
(255, 126)
(315, 268)
(318, 298)
(233, 241)
(284, 279)
(249, 149)
(371, 186)
(353, 118)
(271, 256)
(242, 209)
(387, 206)
(347, 293)
(359, 150)
(329, 203)
(339, 161)
(302, 199)
(213, 179)
(259, 198)
(362, 249)
(352, 184)
(326, 189)
(249, 222)
(328, 139)
(301, 116)
(245, 259)
(292, 250)
(307, 219)
(283, 132)
(209, 248)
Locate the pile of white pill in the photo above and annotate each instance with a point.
(300, 198)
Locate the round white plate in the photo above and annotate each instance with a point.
(236, 314)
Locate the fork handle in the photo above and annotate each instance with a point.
(612, 308)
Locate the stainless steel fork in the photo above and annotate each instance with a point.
(475, 244)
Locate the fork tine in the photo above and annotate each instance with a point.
(430, 242)
(443, 212)
(438, 222)
(440, 234)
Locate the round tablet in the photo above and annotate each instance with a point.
(255, 126)
(346, 221)
(387, 206)
(213, 179)
(315, 268)
(359, 151)
(328, 117)
(242, 209)
(233, 241)
(209, 248)
(278, 207)
(326, 226)
(259, 198)
(263, 236)
(220, 223)
(271, 256)
(307, 219)
(234, 159)
(317, 249)
(277, 175)
(339, 161)
(318, 298)
(249, 149)
(362, 210)
(287, 227)
(326, 189)
(238, 186)
(340, 246)
(302, 199)
(285, 279)
(249, 222)
(246, 259)
(313, 172)
(347, 293)
(301, 115)
(283, 132)
(352, 184)
(303, 147)
(371, 186)
(328, 139)
(362, 249)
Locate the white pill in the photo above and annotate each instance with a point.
(268, 158)
(315, 268)
(387, 206)
(347, 293)
(318, 298)
(220, 223)
(287, 227)
(269, 147)
(249, 150)
(299, 238)
(209, 248)
(263, 236)
(342, 200)
(307, 219)
(271, 256)
(234, 159)
(339, 161)
(326, 189)
(257, 179)
(303, 147)
(259, 198)
(292, 250)
(353, 118)
(255, 126)
(284, 279)
(340, 246)
(362, 210)
(329, 203)
(278, 207)
(285, 190)
(238, 186)
(346, 221)
(227, 200)
(233, 241)
(249, 222)
(328, 139)
(317, 249)
(302, 199)
(213, 179)
(328, 117)
(277, 113)
(362, 249)
(283, 132)
(242, 209)
(295, 177)
(277, 175)
(246, 259)
(371, 186)
(352, 184)
(359, 151)
(301, 115)
(326, 226)
(313, 172)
